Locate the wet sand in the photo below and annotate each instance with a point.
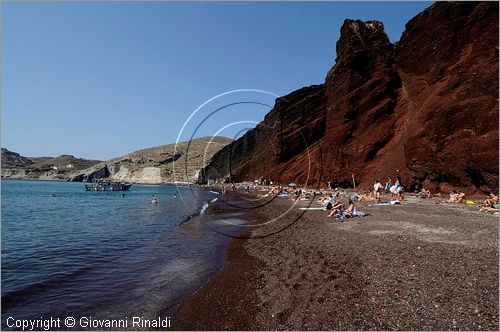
(420, 266)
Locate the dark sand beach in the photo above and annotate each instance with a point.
(423, 265)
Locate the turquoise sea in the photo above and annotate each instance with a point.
(67, 252)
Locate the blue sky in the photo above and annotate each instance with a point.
(99, 80)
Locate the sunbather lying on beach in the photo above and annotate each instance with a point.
(491, 201)
(305, 195)
(491, 205)
(456, 197)
(274, 191)
(367, 197)
(424, 193)
(493, 210)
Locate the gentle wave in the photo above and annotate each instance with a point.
(202, 211)
(204, 207)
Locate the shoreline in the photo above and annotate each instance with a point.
(423, 265)
(234, 256)
(237, 268)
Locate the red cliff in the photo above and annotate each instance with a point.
(426, 105)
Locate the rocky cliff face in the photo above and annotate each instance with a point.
(427, 105)
(270, 147)
(166, 163)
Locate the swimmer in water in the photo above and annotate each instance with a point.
(153, 199)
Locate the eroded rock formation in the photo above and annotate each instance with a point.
(166, 163)
(426, 105)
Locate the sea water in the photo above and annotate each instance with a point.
(68, 252)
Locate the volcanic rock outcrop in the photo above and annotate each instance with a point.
(426, 106)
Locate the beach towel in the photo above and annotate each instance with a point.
(339, 216)
(470, 202)
(386, 204)
(343, 218)
(496, 206)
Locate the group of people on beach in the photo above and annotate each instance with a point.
(330, 197)
(337, 208)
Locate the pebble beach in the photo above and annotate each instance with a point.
(421, 265)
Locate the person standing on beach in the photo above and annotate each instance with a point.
(398, 178)
(377, 187)
(388, 185)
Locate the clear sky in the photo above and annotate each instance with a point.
(99, 80)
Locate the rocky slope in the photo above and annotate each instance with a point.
(12, 159)
(166, 163)
(426, 105)
(17, 166)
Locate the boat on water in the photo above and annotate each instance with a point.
(107, 185)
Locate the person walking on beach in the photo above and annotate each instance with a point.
(377, 187)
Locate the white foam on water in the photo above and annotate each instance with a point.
(204, 207)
